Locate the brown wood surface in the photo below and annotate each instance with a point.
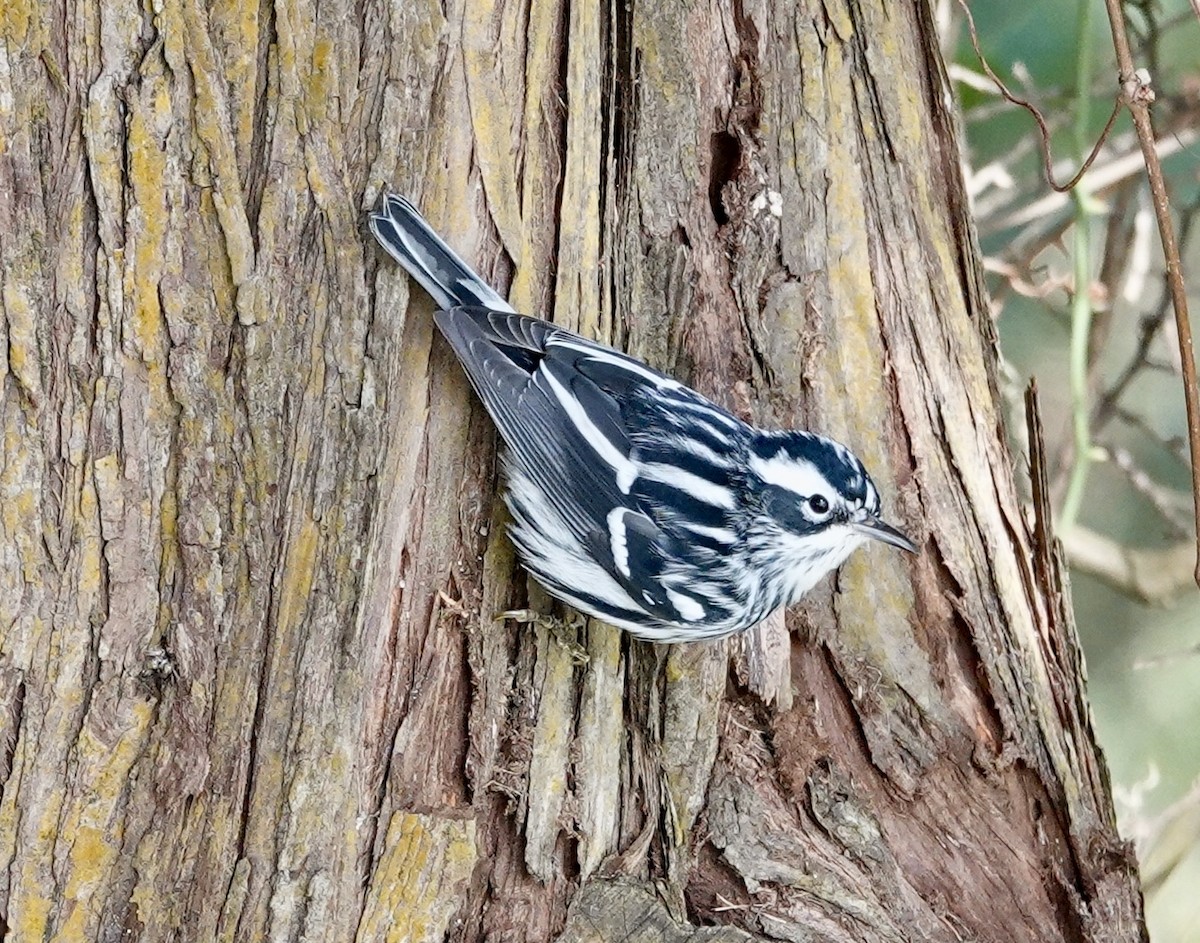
(251, 683)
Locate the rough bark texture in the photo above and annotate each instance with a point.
(251, 686)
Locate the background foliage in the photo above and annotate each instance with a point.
(1134, 500)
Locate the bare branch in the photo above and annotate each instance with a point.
(1108, 404)
(1138, 96)
(1102, 177)
(1151, 575)
(1168, 503)
(1173, 445)
(1174, 834)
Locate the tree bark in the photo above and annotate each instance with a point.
(251, 682)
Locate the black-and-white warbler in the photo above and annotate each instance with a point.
(633, 497)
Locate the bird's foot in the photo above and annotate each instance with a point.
(564, 631)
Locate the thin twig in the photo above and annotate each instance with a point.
(1043, 128)
(1173, 836)
(1172, 445)
(1117, 243)
(1150, 327)
(1138, 95)
(1103, 176)
(1022, 281)
(1153, 576)
(1166, 502)
(1081, 261)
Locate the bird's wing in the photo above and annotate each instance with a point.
(565, 431)
(588, 448)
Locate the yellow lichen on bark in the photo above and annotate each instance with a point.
(416, 887)
(577, 292)
(214, 131)
(19, 522)
(539, 156)
(149, 122)
(237, 24)
(600, 737)
(550, 750)
(491, 66)
(23, 358)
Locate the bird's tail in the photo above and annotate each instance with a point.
(408, 239)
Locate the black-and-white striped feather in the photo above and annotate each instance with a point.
(633, 497)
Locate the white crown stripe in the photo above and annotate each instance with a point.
(794, 474)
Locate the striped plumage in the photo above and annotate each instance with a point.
(633, 497)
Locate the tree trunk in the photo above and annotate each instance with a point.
(251, 682)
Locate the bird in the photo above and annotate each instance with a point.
(633, 498)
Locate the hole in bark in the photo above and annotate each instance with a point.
(726, 156)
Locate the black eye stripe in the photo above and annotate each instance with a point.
(795, 512)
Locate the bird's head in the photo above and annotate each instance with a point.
(816, 505)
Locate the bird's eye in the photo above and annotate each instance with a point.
(798, 514)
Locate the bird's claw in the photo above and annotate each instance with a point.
(565, 631)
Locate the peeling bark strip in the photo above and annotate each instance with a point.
(251, 686)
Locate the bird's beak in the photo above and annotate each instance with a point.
(876, 529)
